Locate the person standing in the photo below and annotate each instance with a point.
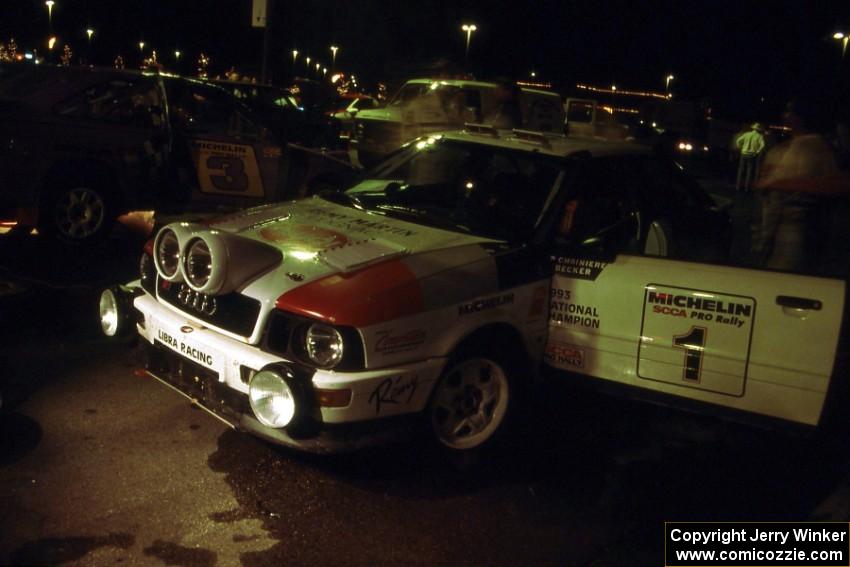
(801, 183)
(751, 147)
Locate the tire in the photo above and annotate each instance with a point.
(77, 212)
(470, 404)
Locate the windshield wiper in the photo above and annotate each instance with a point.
(341, 198)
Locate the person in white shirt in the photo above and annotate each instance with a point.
(751, 146)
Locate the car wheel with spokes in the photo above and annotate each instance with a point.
(470, 403)
(79, 213)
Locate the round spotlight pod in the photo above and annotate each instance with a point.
(110, 318)
(198, 263)
(271, 399)
(167, 254)
(324, 345)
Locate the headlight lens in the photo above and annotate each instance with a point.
(109, 317)
(271, 399)
(323, 345)
(198, 263)
(168, 254)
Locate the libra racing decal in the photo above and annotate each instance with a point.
(696, 338)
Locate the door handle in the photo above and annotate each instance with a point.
(799, 302)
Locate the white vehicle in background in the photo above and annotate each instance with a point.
(585, 117)
(435, 290)
(424, 106)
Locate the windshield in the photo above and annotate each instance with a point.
(470, 188)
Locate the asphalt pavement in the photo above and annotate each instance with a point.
(101, 467)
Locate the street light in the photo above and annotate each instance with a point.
(177, 54)
(667, 82)
(49, 4)
(308, 63)
(294, 56)
(324, 71)
(843, 38)
(318, 66)
(334, 49)
(89, 32)
(141, 46)
(468, 28)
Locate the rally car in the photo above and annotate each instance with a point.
(81, 146)
(439, 285)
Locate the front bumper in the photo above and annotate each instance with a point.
(211, 370)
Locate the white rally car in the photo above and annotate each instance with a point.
(441, 283)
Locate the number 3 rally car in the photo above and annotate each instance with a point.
(440, 284)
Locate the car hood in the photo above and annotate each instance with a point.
(388, 114)
(328, 261)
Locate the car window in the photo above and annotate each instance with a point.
(600, 208)
(201, 109)
(670, 186)
(408, 93)
(471, 188)
(116, 101)
(580, 111)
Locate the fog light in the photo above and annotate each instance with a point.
(110, 317)
(271, 398)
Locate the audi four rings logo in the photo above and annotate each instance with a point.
(198, 301)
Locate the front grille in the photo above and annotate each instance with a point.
(197, 382)
(233, 312)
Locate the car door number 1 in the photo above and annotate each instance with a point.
(693, 343)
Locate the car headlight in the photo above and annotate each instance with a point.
(324, 345)
(167, 254)
(271, 399)
(109, 315)
(198, 263)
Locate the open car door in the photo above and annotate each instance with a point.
(229, 160)
(757, 341)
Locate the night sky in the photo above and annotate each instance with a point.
(731, 52)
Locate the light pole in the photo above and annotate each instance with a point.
(318, 66)
(177, 54)
(334, 49)
(49, 4)
(294, 57)
(468, 28)
(843, 38)
(307, 59)
(667, 83)
(89, 32)
(141, 46)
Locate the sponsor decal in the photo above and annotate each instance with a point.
(393, 391)
(559, 354)
(272, 152)
(484, 304)
(305, 237)
(388, 343)
(696, 338)
(699, 308)
(185, 349)
(562, 311)
(578, 268)
(354, 224)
